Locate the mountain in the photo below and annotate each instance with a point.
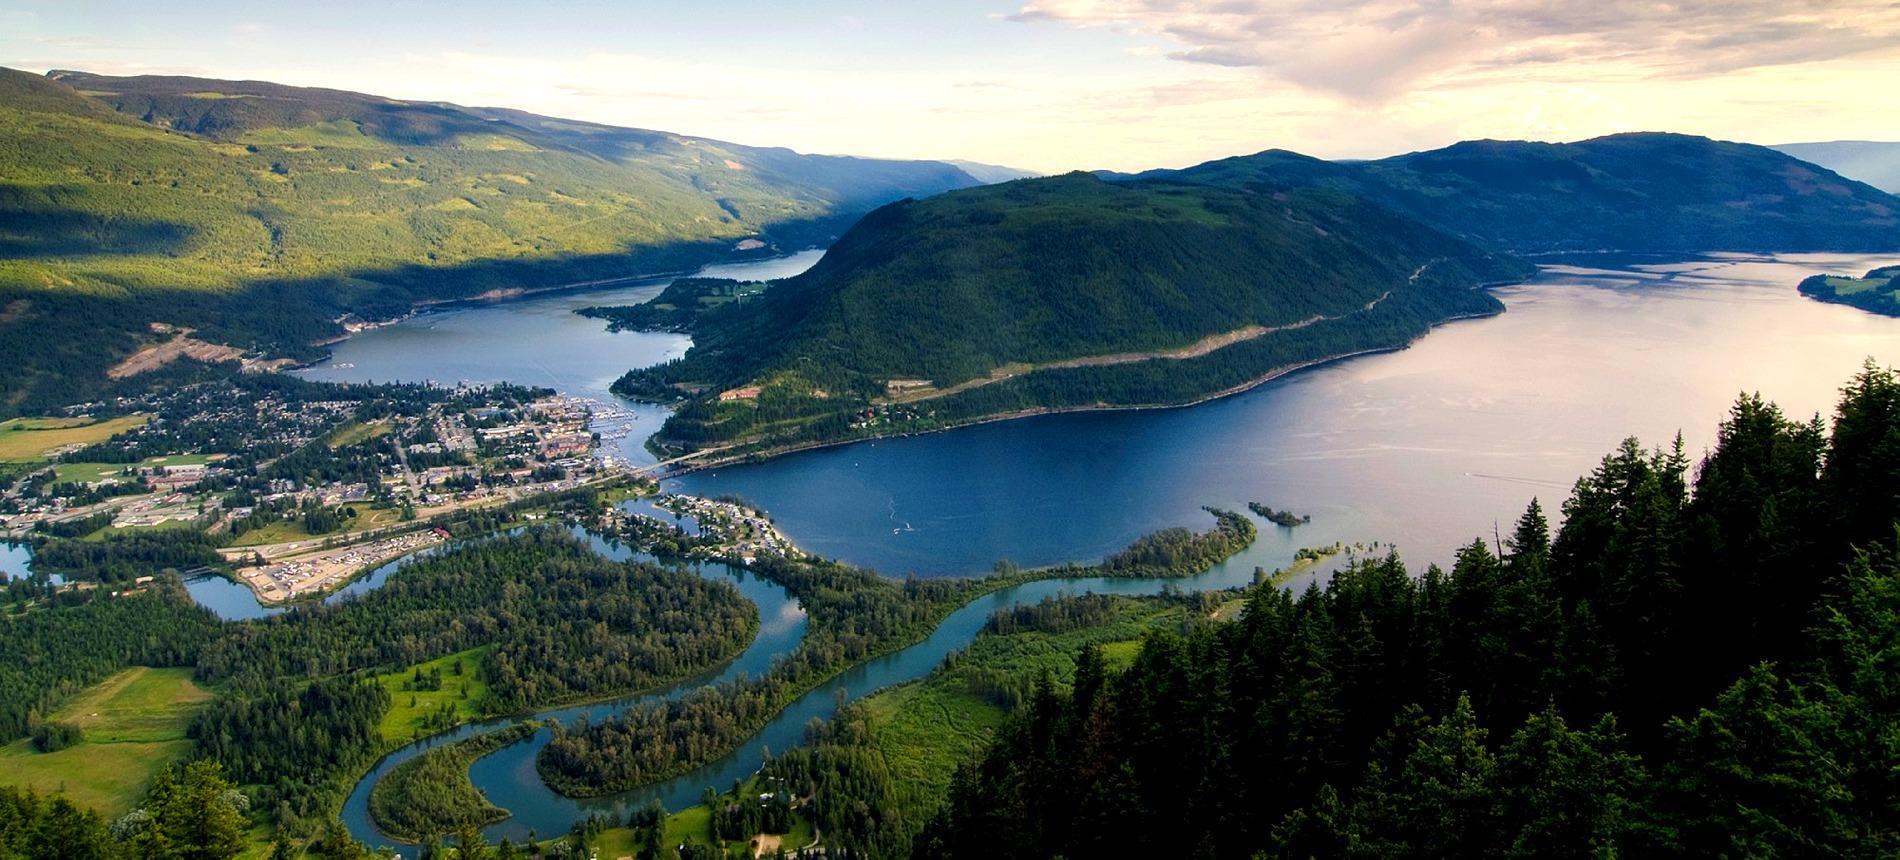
(1054, 293)
(990, 174)
(1631, 192)
(266, 217)
(1876, 163)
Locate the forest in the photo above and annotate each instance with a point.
(430, 795)
(1639, 192)
(564, 624)
(1180, 552)
(50, 652)
(678, 307)
(854, 614)
(1697, 663)
(193, 813)
(950, 289)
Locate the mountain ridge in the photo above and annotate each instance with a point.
(264, 216)
(1640, 191)
(1053, 293)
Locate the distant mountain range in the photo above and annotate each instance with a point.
(270, 218)
(1171, 286)
(1876, 163)
(1626, 192)
(266, 216)
(990, 173)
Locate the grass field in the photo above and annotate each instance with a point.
(926, 728)
(95, 472)
(134, 723)
(279, 531)
(28, 439)
(404, 720)
(369, 516)
(1850, 286)
(354, 432)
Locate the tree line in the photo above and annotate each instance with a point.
(1696, 664)
(298, 716)
(853, 615)
(67, 641)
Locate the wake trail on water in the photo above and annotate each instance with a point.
(890, 505)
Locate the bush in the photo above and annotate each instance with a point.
(53, 737)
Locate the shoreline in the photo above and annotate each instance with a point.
(685, 467)
(495, 297)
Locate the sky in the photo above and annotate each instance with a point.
(1047, 85)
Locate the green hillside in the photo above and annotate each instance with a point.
(1877, 291)
(1631, 192)
(263, 216)
(1058, 292)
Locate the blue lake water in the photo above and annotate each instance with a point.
(534, 341)
(1424, 447)
(16, 560)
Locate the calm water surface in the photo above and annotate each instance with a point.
(15, 558)
(1424, 447)
(534, 341)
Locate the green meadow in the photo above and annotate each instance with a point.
(134, 724)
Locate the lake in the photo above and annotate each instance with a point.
(1425, 447)
(537, 340)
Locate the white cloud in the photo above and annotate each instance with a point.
(1376, 50)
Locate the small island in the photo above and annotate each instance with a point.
(1285, 519)
(1877, 292)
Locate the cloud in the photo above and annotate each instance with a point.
(1377, 50)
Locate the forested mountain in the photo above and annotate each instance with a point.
(1699, 663)
(1630, 192)
(1062, 291)
(261, 214)
(1874, 162)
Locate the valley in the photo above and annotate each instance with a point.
(398, 476)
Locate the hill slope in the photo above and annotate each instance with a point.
(1056, 293)
(1876, 163)
(261, 215)
(1632, 192)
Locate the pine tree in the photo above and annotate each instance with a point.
(1565, 793)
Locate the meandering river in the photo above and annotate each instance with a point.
(1425, 447)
